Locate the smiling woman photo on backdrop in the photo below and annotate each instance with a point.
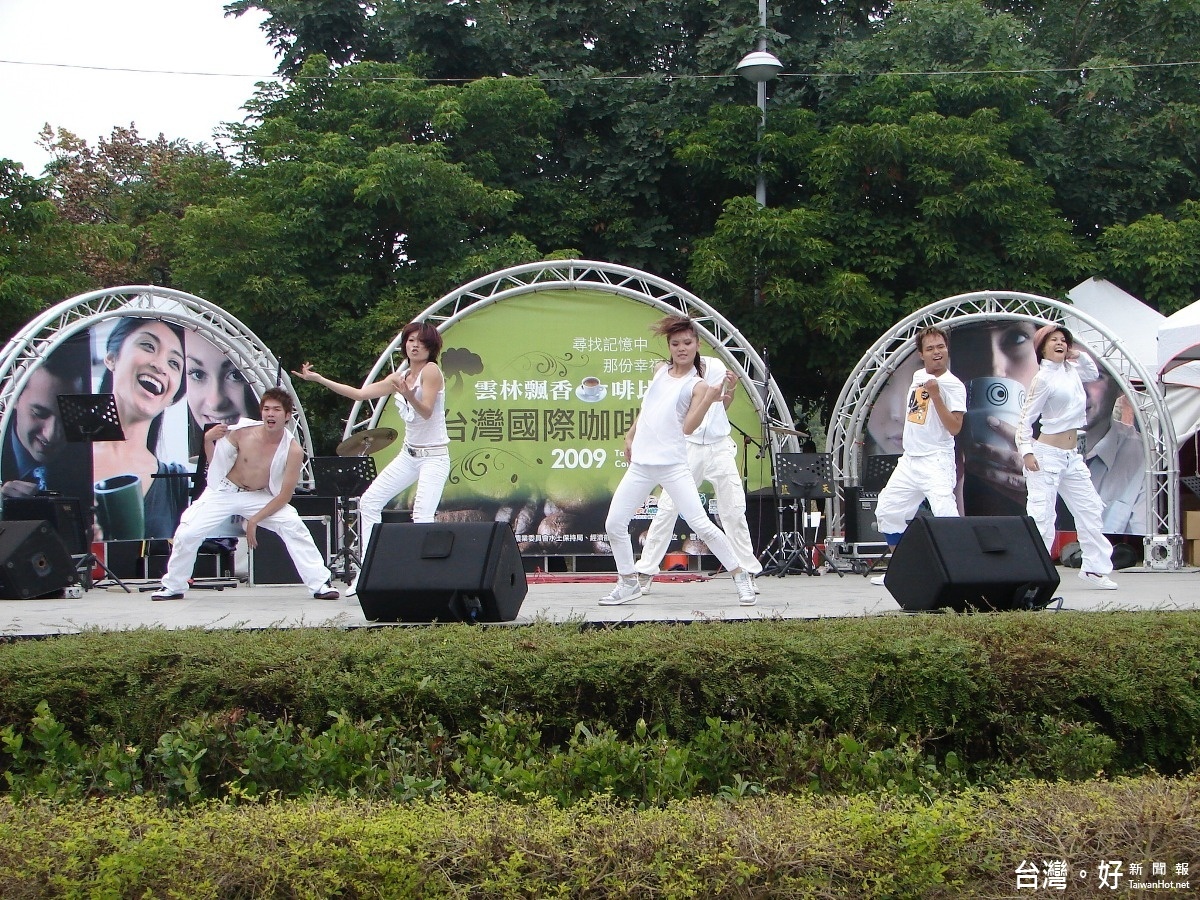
(143, 363)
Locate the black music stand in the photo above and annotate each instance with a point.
(91, 418)
(344, 478)
(806, 477)
(876, 472)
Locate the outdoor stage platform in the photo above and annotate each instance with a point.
(559, 601)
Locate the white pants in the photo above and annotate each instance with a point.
(677, 482)
(916, 478)
(204, 518)
(1063, 473)
(429, 473)
(717, 464)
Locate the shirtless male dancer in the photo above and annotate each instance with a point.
(253, 469)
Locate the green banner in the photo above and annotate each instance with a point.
(540, 390)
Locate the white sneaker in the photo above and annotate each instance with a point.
(877, 581)
(625, 590)
(1099, 582)
(754, 584)
(644, 582)
(744, 582)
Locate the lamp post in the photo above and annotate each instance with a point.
(760, 67)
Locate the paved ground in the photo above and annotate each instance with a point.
(788, 597)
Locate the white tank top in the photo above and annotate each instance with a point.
(419, 432)
(659, 439)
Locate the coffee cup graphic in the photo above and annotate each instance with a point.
(995, 398)
(590, 390)
(119, 508)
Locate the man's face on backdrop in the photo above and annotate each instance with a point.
(37, 421)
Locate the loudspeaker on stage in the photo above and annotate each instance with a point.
(269, 562)
(34, 561)
(975, 562)
(442, 572)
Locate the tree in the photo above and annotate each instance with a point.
(38, 266)
(363, 194)
(1157, 257)
(128, 194)
(1124, 92)
(900, 189)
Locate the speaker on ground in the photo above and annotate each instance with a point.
(34, 560)
(859, 516)
(976, 562)
(435, 572)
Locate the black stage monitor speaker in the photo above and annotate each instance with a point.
(859, 516)
(977, 562)
(34, 560)
(452, 572)
(65, 514)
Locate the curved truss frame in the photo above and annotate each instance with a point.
(862, 389)
(45, 333)
(577, 274)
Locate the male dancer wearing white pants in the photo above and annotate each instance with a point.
(252, 472)
(936, 403)
(712, 457)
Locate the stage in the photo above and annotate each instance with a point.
(559, 601)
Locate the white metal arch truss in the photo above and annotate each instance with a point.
(577, 274)
(43, 334)
(862, 388)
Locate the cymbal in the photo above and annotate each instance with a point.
(779, 429)
(367, 442)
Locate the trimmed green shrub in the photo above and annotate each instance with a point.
(1049, 686)
(970, 845)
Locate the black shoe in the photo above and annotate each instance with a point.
(164, 594)
(328, 594)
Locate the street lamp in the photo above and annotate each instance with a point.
(759, 67)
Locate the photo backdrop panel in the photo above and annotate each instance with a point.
(37, 456)
(996, 360)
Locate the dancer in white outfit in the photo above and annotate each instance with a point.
(936, 403)
(424, 458)
(712, 457)
(253, 468)
(656, 452)
(1053, 464)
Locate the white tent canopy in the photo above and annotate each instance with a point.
(1179, 347)
(1136, 323)
(1147, 334)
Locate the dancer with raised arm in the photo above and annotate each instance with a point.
(1053, 464)
(712, 457)
(424, 458)
(656, 453)
(253, 468)
(936, 404)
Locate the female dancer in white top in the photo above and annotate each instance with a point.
(424, 459)
(656, 453)
(1053, 465)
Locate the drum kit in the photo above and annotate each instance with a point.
(367, 442)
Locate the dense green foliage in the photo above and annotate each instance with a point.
(992, 696)
(913, 150)
(969, 845)
(885, 757)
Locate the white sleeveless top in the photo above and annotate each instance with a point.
(659, 438)
(420, 432)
